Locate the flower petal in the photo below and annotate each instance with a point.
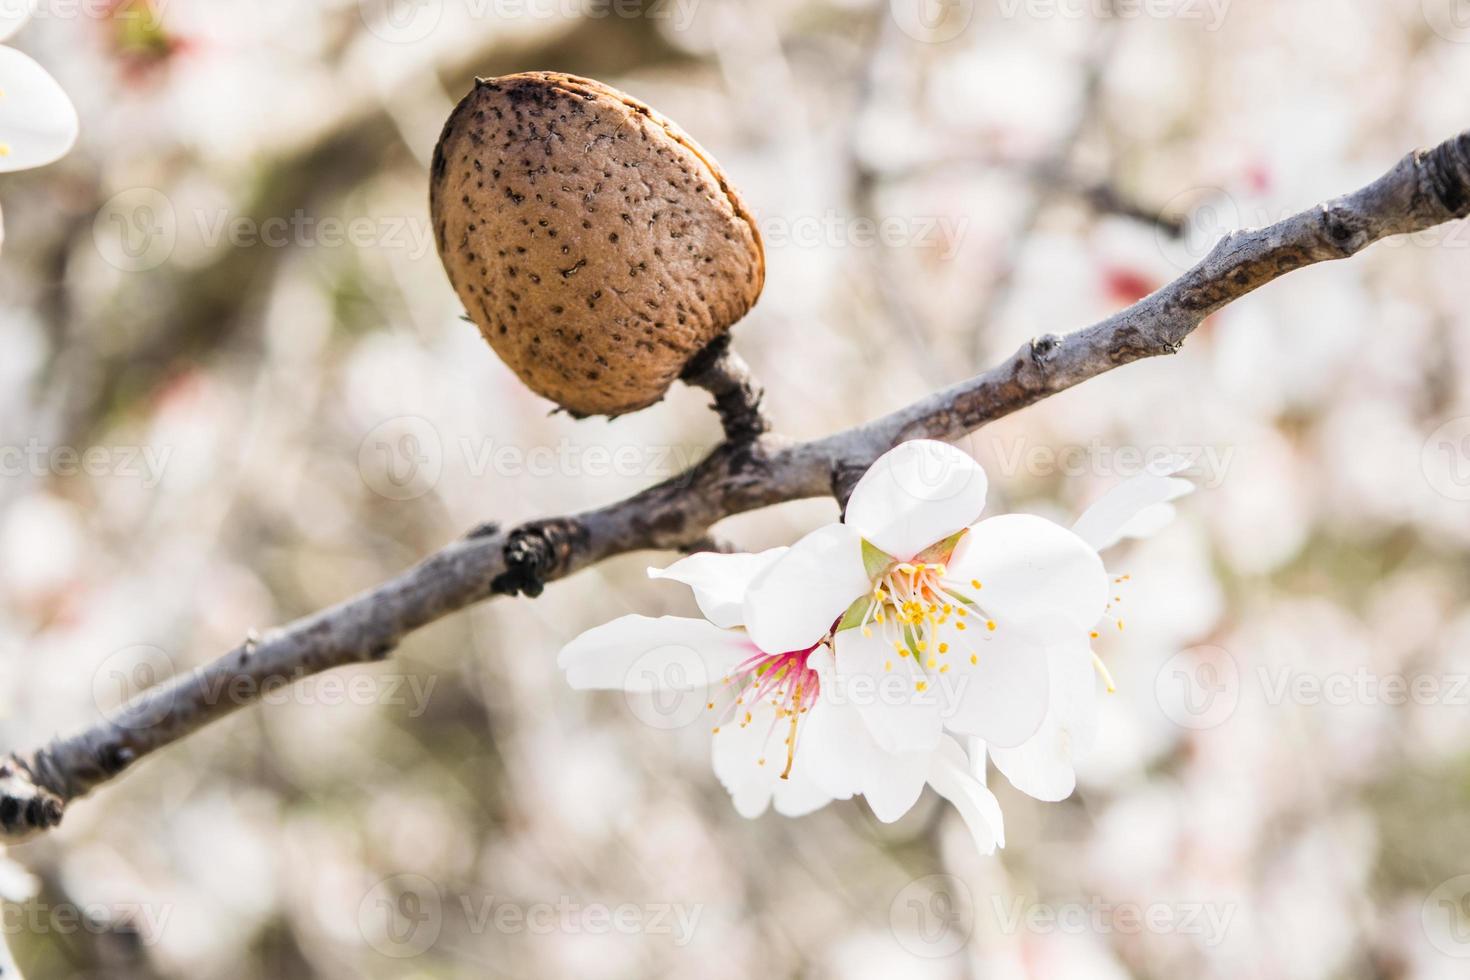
(642, 654)
(950, 776)
(845, 759)
(915, 494)
(13, 16)
(736, 752)
(38, 123)
(799, 795)
(719, 581)
(898, 701)
(1043, 766)
(1033, 572)
(748, 759)
(1135, 508)
(794, 602)
(1002, 696)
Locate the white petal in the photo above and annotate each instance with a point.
(13, 16)
(719, 581)
(642, 654)
(748, 760)
(846, 760)
(951, 779)
(1002, 697)
(1135, 508)
(799, 795)
(975, 749)
(38, 123)
(794, 602)
(833, 739)
(1043, 766)
(736, 752)
(915, 495)
(884, 687)
(1032, 571)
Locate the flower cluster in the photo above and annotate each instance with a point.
(38, 123)
(902, 647)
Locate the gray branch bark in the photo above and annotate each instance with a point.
(751, 469)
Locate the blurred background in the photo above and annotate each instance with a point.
(236, 388)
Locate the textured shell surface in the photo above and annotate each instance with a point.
(596, 246)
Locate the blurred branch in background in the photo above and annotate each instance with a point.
(749, 470)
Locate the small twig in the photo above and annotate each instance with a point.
(749, 471)
(723, 373)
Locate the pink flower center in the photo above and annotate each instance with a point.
(783, 680)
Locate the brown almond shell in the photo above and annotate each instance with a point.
(594, 243)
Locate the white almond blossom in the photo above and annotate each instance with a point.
(38, 124)
(855, 661)
(914, 585)
(781, 737)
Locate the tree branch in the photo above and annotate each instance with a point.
(751, 469)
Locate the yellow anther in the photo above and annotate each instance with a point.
(959, 625)
(944, 668)
(888, 665)
(932, 663)
(944, 648)
(869, 633)
(1093, 634)
(1120, 624)
(920, 685)
(990, 625)
(975, 583)
(974, 659)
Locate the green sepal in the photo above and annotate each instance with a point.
(875, 561)
(855, 614)
(941, 551)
